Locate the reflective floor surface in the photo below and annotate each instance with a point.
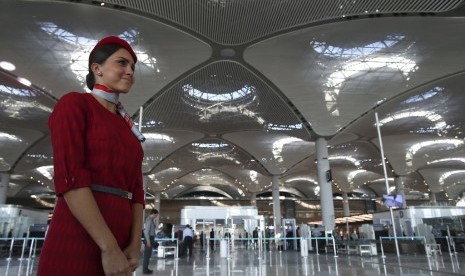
(287, 263)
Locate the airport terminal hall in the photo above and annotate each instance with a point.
(232, 137)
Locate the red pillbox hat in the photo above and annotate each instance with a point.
(115, 40)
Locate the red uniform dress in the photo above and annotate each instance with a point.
(91, 145)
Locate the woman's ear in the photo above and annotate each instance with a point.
(96, 69)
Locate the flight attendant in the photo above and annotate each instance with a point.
(97, 155)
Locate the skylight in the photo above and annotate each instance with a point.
(435, 118)
(17, 91)
(352, 175)
(458, 159)
(157, 136)
(362, 59)
(445, 175)
(339, 52)
(82, 47)
(284, 127)
(308, 179)
(210, 145)
(416, 147)
(253, 177)
(424, 96)
(46, 171)
(279, 145)
(7, 136)
(242, 93)
(351, 159)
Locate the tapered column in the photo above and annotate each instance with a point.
(253, 199)
(276, 204)
(325, 182)
(345, 204)
(400, 189)
(432, 198)
(156, 205)
(5, 181)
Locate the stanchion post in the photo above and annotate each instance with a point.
(31, 248)
(386, 182)
(35, 247)
(448, 246)
(316, 245)
(334, 246)
(11, 248)
(382, 249)
(177, 247)
(24, 248)
(426, 246)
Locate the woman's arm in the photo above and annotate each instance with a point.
(132, 252)
(82, 205)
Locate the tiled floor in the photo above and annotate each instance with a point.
(286, 263)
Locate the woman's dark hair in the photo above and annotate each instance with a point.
(99, 56)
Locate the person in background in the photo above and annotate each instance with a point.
(97, 156)
(267, 238)
(149, 240)
(201, 240)
(245, 242)
(255, 237)
(212, 242)
(188, 235)
(316, 233)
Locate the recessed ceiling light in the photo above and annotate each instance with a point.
(24, 81)
(7, 65)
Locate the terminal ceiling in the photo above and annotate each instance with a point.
(231, 93)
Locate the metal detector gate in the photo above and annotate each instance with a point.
(289, 227)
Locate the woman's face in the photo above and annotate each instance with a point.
(117, 72)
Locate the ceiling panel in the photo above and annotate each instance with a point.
(236, 22)
(54, 50)
(276, 152)
(335, 78)
(219, 98)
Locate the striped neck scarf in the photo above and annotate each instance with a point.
(109, 95)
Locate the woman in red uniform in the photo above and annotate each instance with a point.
(97, 155)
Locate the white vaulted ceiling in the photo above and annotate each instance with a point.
(235, 92)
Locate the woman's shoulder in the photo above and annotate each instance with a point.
(75, 97)
(73, 100)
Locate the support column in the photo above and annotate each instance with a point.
(400, 189)
(5, 182)
(156, 205)
(276, 204)
(345, 204)
(325, 182)
(432, 198)
(253, 199)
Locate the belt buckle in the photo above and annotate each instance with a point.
(126, 194)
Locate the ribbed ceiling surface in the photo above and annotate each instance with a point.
(233, 22)
(219, 98)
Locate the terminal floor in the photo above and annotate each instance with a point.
(286, 263)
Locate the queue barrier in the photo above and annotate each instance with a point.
(422, 239)
(272, 243)
(27, 246)
(456, 241)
